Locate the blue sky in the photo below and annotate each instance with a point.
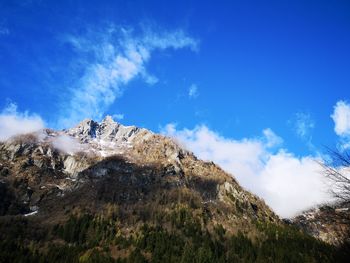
(242, 70)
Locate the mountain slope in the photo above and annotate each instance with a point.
(329, 223)
(104, 191)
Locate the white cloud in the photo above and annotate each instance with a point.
(67, 144)
(176, 39)
(193, 91)
(14, 123)
(341, 118)
(111, 59)
(118, 116)
(304, 124)
(289, 184)
(271, 139)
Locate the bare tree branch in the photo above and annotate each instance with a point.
(337, 172)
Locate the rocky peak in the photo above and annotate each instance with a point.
(108, 120)
(107, 137)
(107, 130)
(84, 130)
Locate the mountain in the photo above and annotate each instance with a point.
(109, 155)
(105, 192)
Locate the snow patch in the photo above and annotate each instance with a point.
(31, 213)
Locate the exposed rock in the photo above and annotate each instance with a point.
(329, 223)
(106, 131)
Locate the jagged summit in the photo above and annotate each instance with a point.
(87, 128)
(106, 130)
(108, 119)
(107, 137)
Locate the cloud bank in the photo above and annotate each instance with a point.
(14, 123)
(287, 183)
(111, 59)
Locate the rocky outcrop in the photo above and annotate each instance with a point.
(329, 223)
(106, 131)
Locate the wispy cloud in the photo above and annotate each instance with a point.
(271, 139)
(68, 144)
(118, 116)
(193, 91)
(14, 123)
(341, 118)
(304, 125)
(112, 58)
(289, 184)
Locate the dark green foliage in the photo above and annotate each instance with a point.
(343, 254)
(13, 252)
(86, 229)
(182, 219)
(282, 243)
(164, 246)
(61, 254)
(88, 238)
(241, 249)
(75, 230)
(136, 257)
(220, 231)
(96, 256)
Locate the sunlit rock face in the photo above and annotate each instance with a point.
(108, 137)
